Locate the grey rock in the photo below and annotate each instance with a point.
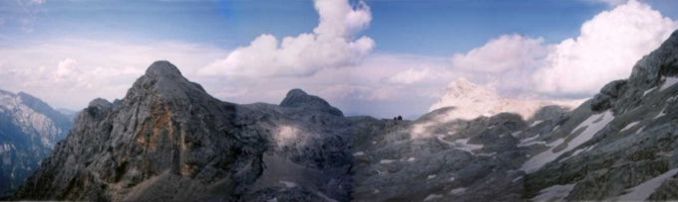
(608, 93)
(299, 98)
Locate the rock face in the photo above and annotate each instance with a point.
(169, 140)
(29, 129)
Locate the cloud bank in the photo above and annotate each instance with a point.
(606, 49)
(336, 63)
(71, 72)
(507, 52)
(332, 44)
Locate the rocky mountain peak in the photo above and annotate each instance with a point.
(163, 68)
(29, 128)
(163, 79)
(661, 62)
(653, 73)
(462, 84)
(99, 103)
(299, 98)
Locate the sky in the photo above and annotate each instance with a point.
(373, 57)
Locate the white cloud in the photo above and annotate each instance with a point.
(507, 52)
(606, 49)
(410, 76)
(331, 45)
(66, 68)
(68, 73)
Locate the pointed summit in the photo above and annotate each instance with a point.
(298, 98)
(471, 100)
(163, 79)
(163, 68)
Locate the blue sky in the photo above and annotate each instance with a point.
(398, 55)
(430, 27)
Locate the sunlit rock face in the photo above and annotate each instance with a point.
(29, 129)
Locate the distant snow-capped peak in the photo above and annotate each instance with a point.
(471, 100)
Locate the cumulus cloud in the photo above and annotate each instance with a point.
(410, 76)
(606, 49)
(332, 44)
(507, 52)
(67, 73)
(66, 68)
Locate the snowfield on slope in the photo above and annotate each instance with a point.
(592, 125)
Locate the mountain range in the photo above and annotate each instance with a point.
(169, 140)
(29, 129)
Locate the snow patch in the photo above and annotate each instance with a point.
(288, 184)
(462, 144)
(648, 91)
(433, 197)
(429, 177)
(359, 153)
(670, 81)
(577, 152)
(6, 148)
(660, 114)
(535, 123)
(458, 191)
(530, 141)
(645, 189)
(591, 126)
(554, 193)
(515, 134)
(516, 179)
(386, 161)
(629, 126)
(287, 135)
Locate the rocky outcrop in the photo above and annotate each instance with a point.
(29, 129)
(299, 98)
